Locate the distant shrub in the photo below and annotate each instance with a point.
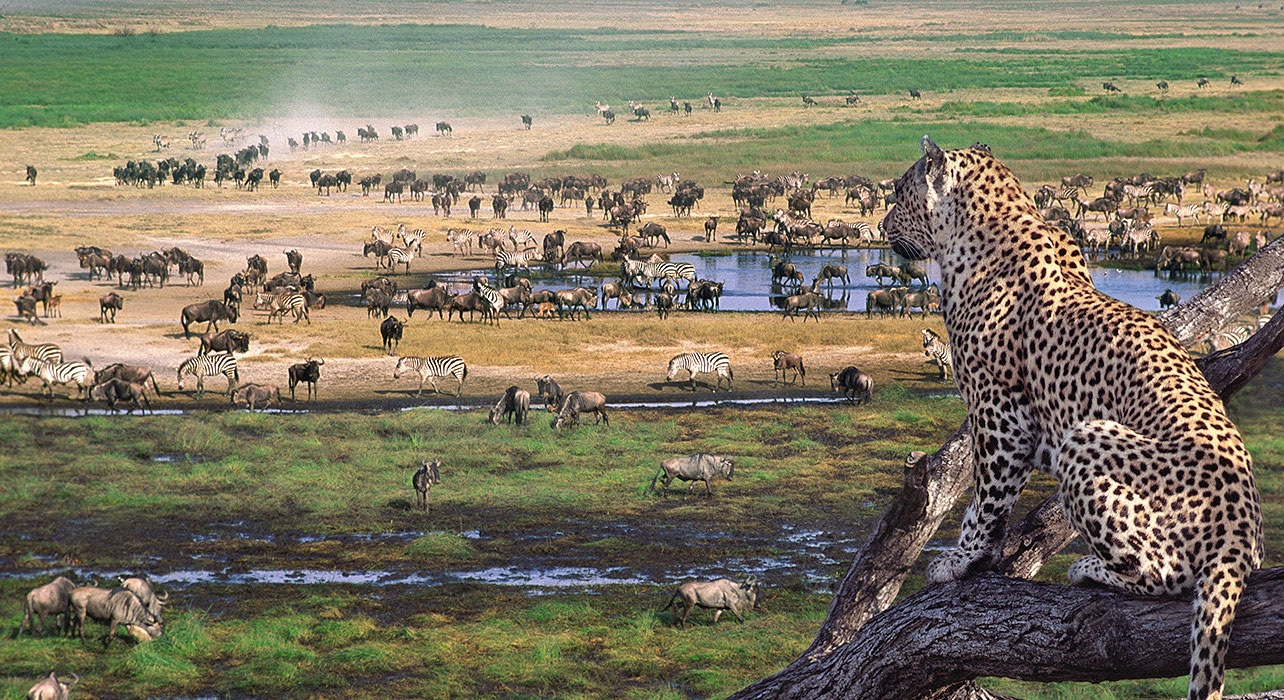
(1066, 91)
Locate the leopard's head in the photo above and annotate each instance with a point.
(915, 226)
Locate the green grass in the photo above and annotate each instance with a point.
(353, 71)
(1265, 101)
(881, 148)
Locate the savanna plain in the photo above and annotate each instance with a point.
(295, 557)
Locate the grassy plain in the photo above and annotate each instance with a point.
(84, 85)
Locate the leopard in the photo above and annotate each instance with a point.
(1061, 378)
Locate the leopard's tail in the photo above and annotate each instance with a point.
(1217, 594)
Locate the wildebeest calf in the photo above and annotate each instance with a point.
(253, 396)
(114, 391)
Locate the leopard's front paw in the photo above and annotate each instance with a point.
(957, 564)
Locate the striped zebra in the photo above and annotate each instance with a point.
(7, 367)
(1134, 193)
(289, 303)
(41, 351)
(494, 302)
(381, 234)
(938, 352)
(210, 365)
(397, 256)
(1065, 194)
(865, 232)
(517, 261)
(462, 239)
(414, 240)
(1187, 211)
(661, 269)
(81, 373)
(702, 363)
(430, 368)
(522, 240)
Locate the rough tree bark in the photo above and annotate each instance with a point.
(849, 653)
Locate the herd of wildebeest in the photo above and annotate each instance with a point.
(1118, 223)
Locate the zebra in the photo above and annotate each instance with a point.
(1184, 211)
(82, 373)
(517, 261)
(1135, 194)
(398, 256)
(47, 352)
(668, 270)
(381, 234)
(414, 240)
(289, 302)
(462, 239)
(522, 240)
(430, 368)
(938, 352)
(210, 365)
(1066, 193)
(494, 302)
(702, 362)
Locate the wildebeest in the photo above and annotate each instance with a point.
(583, 251)
(1169, 299)
(443, 129)
(146, 591)
(294, 259)
(129, 373)
(719, 595)
(432, 299)
(853, 383)
(252, 396)
(578, 402)
(308, 372)
(108, 305)
(211, 312)
(915, 95)
(880, 270)
(527, 121)
(548, 389)
(1110, 87)
(829, 273)
(115, 391)
(515, 402)
(31, 175)
(785, 361)
(391, 330)
(50, 688)
(429, 474)
(229, 340)
(116, 607)
(697, 467)
(53, 598)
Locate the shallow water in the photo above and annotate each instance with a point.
(746, 278)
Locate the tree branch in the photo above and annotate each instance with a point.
(934, 483)
(997, 626)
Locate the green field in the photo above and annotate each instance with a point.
(357, 71)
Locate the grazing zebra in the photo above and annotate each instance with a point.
(59, 373)
(414, 240)
(938, 352)
(494, 302)
(210, 365)
(430, 368)
(398, 256)
(289, 303)
(47, 352)
(702, 362)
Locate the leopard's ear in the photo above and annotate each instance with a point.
(933, 152)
